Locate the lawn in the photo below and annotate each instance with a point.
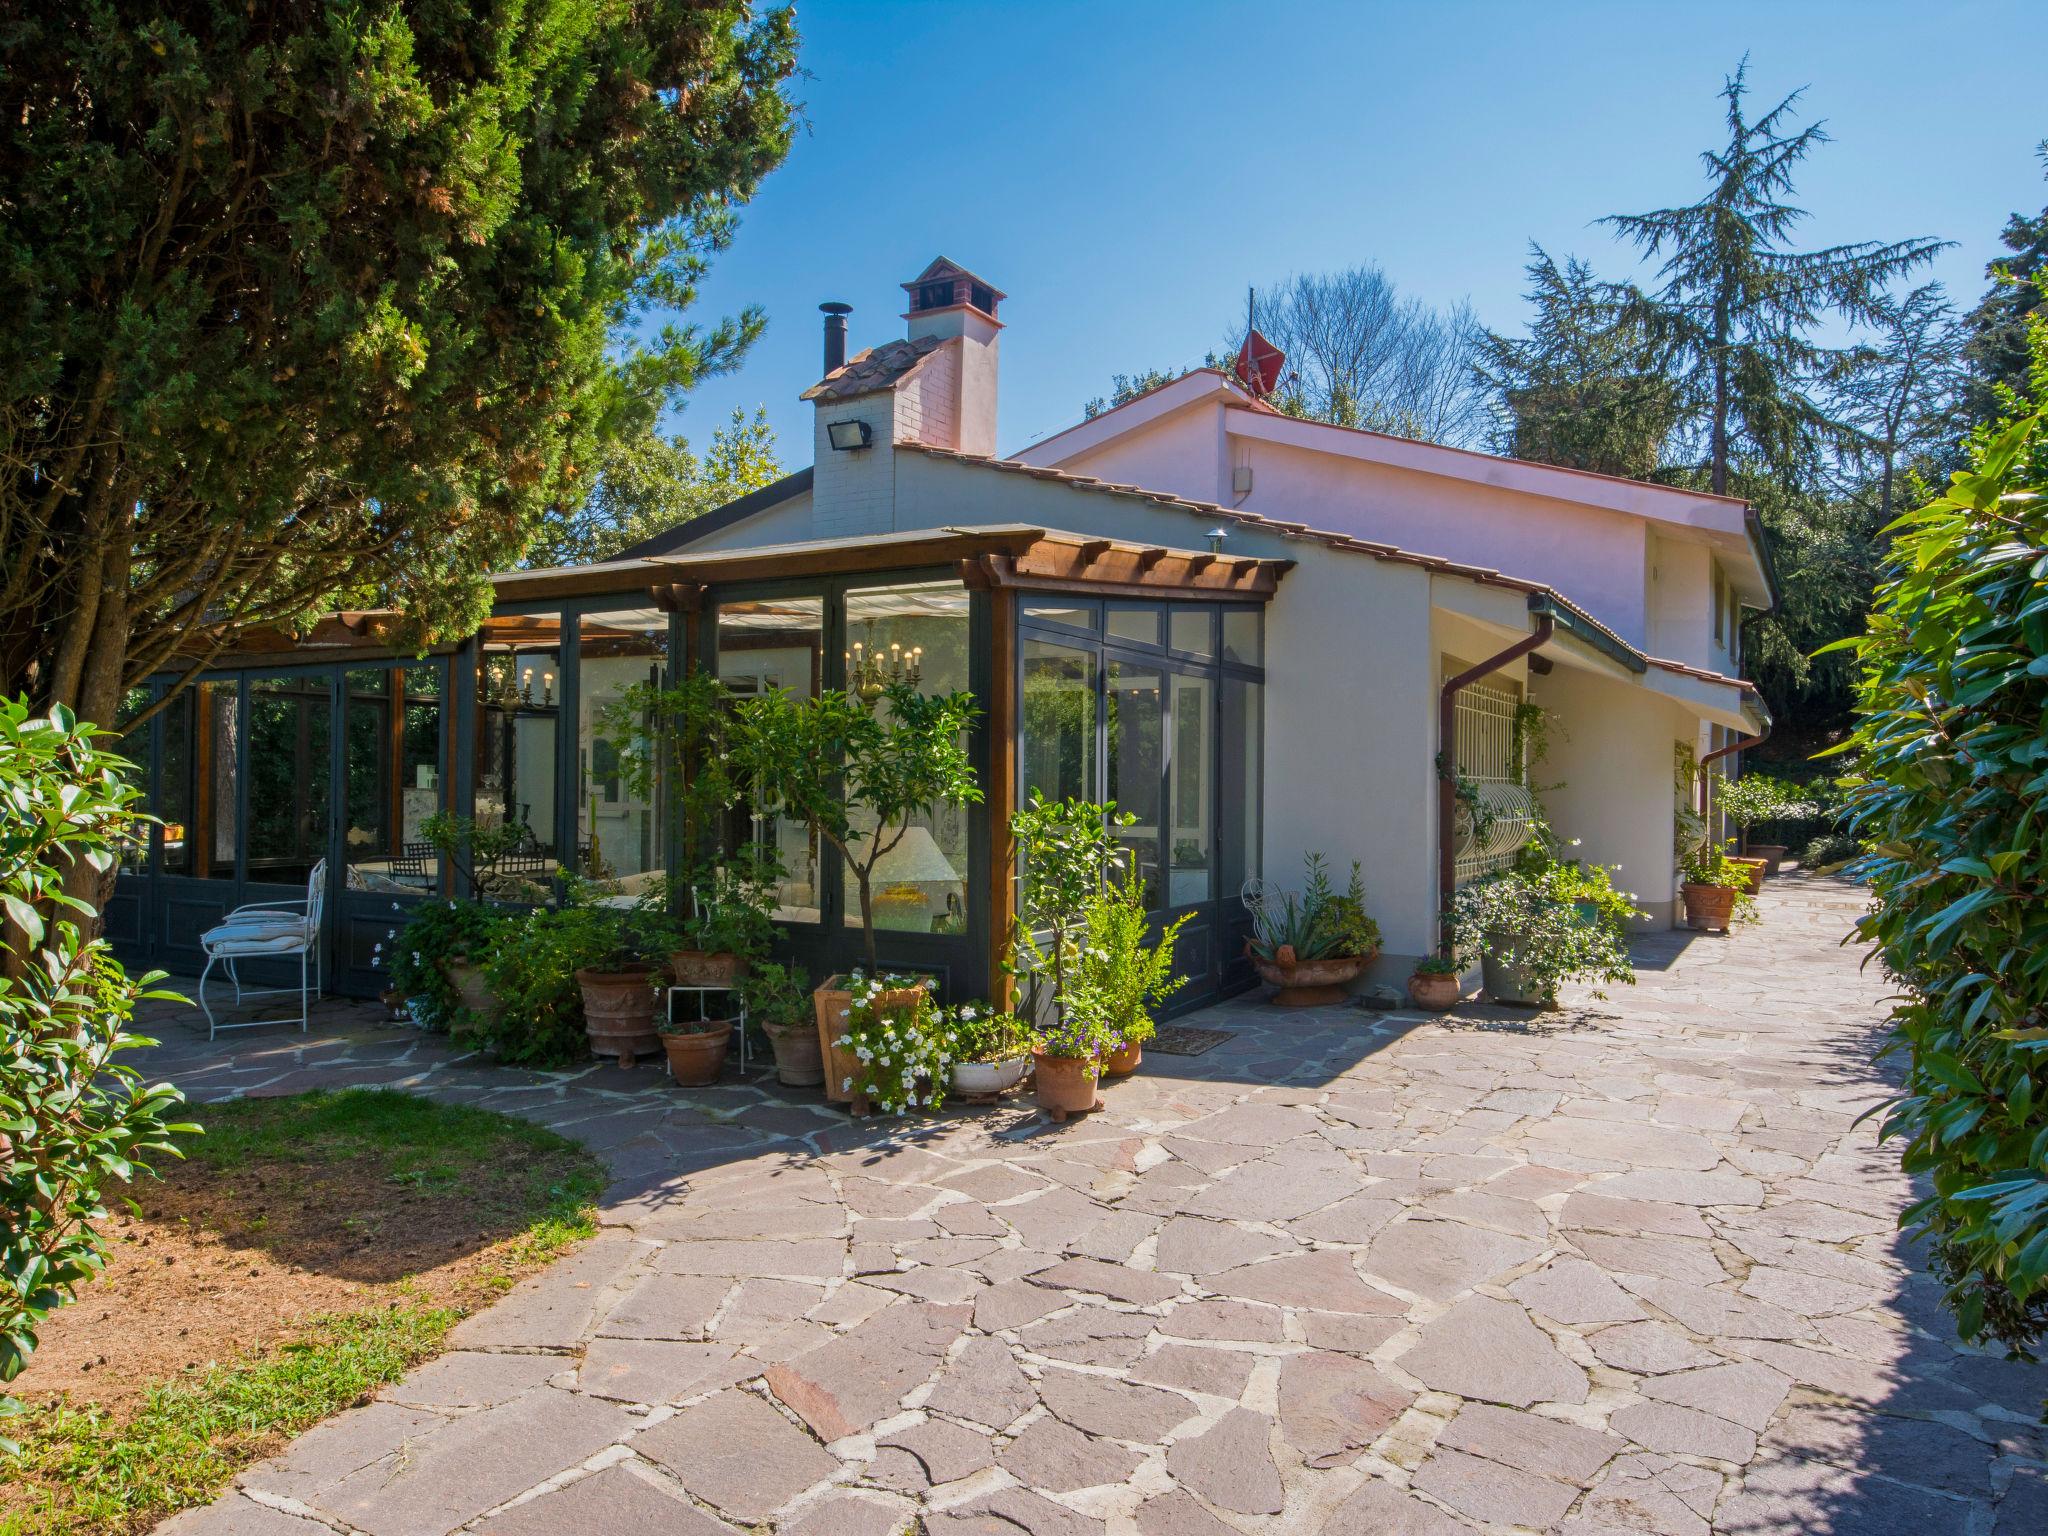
(307, 1251)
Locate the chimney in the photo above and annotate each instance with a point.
(835, 334)
(948, 301)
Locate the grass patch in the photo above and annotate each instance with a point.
(358, 1225)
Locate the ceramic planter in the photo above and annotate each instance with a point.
(1755, 869)
(1709, 908)
(1066, 1084)
(618, 1012)
(798, 1061)
(706, 968)
(1508, 983)
(986, 1079)
(696, 1052)
(1123, 1061)
(1434, 990)
(1312, 983)
(1773, 855)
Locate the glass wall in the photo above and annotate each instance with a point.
(393, 745)
(765, 643)
(1058, 703)
(1136, 738)
(518, 731)
(622, 829)
(217, 777)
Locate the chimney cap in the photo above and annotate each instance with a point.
(834, 307)
(948, 285)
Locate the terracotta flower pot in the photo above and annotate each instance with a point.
(696, 1052)
(1066, 1084)
(618, 1012)
(832, 1002)
(1709, 908)
(798, 1061)
(1434, 990)
(1773, 855)
(1755, 868)
(706, 968)
(471, 990)
(1312, 983)
(1123, 1061)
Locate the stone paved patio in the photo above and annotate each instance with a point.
(1627, 1269)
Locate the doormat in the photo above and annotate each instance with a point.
(1183, 1040)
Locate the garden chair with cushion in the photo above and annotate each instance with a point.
(258, 931)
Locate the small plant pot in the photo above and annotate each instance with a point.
(798, 1060)
(1312, 983)
(1506, 983)
(1755, 869)
(1773, 855)
(696, 1053)
(1434, 990)
(706, 968)
(618, 1013)
(1124, 1060)
(1709, 908)
(1066, 1084)
(987, 1079)
(471, 990)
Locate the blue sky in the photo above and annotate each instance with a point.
(1123, 171)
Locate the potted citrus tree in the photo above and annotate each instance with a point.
(1117, 977)
(857, 774)
(1313, 946)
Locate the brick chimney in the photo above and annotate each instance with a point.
(955, 404)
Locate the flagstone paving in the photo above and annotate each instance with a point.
(1626, 1267)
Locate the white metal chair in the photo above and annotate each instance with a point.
(281, 928)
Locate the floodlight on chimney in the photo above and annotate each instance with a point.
(849, 436)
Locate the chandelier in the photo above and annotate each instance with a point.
(869, 673)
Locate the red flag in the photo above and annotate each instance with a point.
(1258, 365)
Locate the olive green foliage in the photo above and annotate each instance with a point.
(317, 305)
(777, 995)
(856, 773)
(1321, 923)
(1067, 854)
(982, 1033)
(532, 970)
(1949, 794)
(434, 934)
(469, 847)
(1118, 978)
(1757, 797)
(1712, 864)
(1554, 919)
(73, 1116)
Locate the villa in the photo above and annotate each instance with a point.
(1263, 637)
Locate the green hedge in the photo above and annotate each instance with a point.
(1950, 795)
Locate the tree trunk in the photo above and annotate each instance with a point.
(867, 918)
(1718, 447)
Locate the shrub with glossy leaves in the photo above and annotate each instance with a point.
(73, 1117)
(1950, 798)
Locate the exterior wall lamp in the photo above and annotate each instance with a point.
(849, 435)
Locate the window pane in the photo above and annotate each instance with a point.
(1191, 631)
(777, 643)
(1135, 761)
(1240, 728)
(1242, 637)
(174, 783)
(1188, 841)
(291, 777)
(219, 771)
(1057, 753)
(1136, 624)
(518, 697)
(1056, 610)
(392, 758)
(914, 634)
(621, 835)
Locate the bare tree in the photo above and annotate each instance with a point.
(1361, 355)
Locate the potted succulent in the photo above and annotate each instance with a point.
(1117, 979)
(779, 1000)
(1436, 982)
(1312, 947)
(894, 1051)
(990, 1050)
(696, 1049)
(857, 773)
(1543, 923)
(1716, 889)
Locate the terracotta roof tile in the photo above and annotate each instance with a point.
(881, 367)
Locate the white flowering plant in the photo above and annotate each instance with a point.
(901, 1042)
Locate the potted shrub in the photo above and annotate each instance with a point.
(1436, 982)
(1117, 979)
(990, 1050)
(696, 1049)
(1756, 798)
(894, 1050)
(1716, 890)
(1066, 1065)
(437, 960)
(1312, 947)
(779, 1000)
(856, 773)
(534, 973)
(1545, 922)
(732, 921)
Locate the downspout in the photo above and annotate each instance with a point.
(1447, 768)
(1741, 745)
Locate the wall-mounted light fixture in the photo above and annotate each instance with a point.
(849, 435)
